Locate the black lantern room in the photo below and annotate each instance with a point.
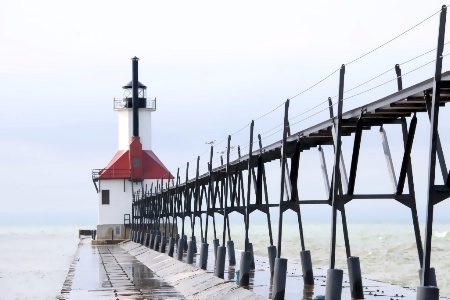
(128, 95)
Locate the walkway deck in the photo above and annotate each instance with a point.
(122, 272)
(109, 272)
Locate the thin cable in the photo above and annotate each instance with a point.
(268, 113)
(315, 84)
(403, 75)
(396, 37)
(387, 71)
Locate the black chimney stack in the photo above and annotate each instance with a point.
(135, 99)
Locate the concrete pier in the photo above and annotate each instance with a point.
(109, 272)
(133, 271)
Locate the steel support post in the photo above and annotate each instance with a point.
(185, 206)
(355, 157)
(439, 150)
(266, 197)
(425, 291)
(279, 278)
(249, 182)
(406, 156)
(412, 193)
(283, 174)
(336, 173)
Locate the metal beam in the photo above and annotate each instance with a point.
(336, 173)
(388, 157)
(433, 145)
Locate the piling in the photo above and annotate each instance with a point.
(152, 240)
(334, 284)
(308, 275)
(354, 275)
(219, 269)
(279, 279)
(231, 253)
(244, 272)
(147, 239)
(252, 262)
(272, 251)
(190, 252)
(427, 293)
(157, 241)
(185, 242)
(203, 256)
(216, 244)
(163, 244)
(180, 249)
(195, 243)
(171, 246)
(432, 277)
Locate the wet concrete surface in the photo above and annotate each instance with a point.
(261, 281)
(132, 271)
(109, 272)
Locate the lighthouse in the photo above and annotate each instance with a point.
(134, 166)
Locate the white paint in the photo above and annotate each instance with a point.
(126, 128)
(119, 200)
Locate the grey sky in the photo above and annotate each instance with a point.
(213, 66)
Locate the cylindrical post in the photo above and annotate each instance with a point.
(431, 277)
(272, 251)
(203, 256)
(231, 253)
(190, 252)
(308, 275)
(180, 249)
(279, 279)
(157, 241)
(219, 269)
(147, 239)
(112, 235)
(252, 262)
(171, 246)
(427, 293)
(216, 244)
(195, 243)
(152, 240)
(163, 244)
(185, 241)
(334, 284)
(354, 275)
(244, 273)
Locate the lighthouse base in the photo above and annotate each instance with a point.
(122, 232)
(112, 232)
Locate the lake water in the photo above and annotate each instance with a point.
(35, 259)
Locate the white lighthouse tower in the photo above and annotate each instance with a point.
(133, 167)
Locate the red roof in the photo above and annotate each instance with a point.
(119, 166)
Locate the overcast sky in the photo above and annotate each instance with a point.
(213, 67)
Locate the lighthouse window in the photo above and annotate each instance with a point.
(105, 196)
(136, 162)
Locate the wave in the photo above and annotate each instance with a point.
(440, 234)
